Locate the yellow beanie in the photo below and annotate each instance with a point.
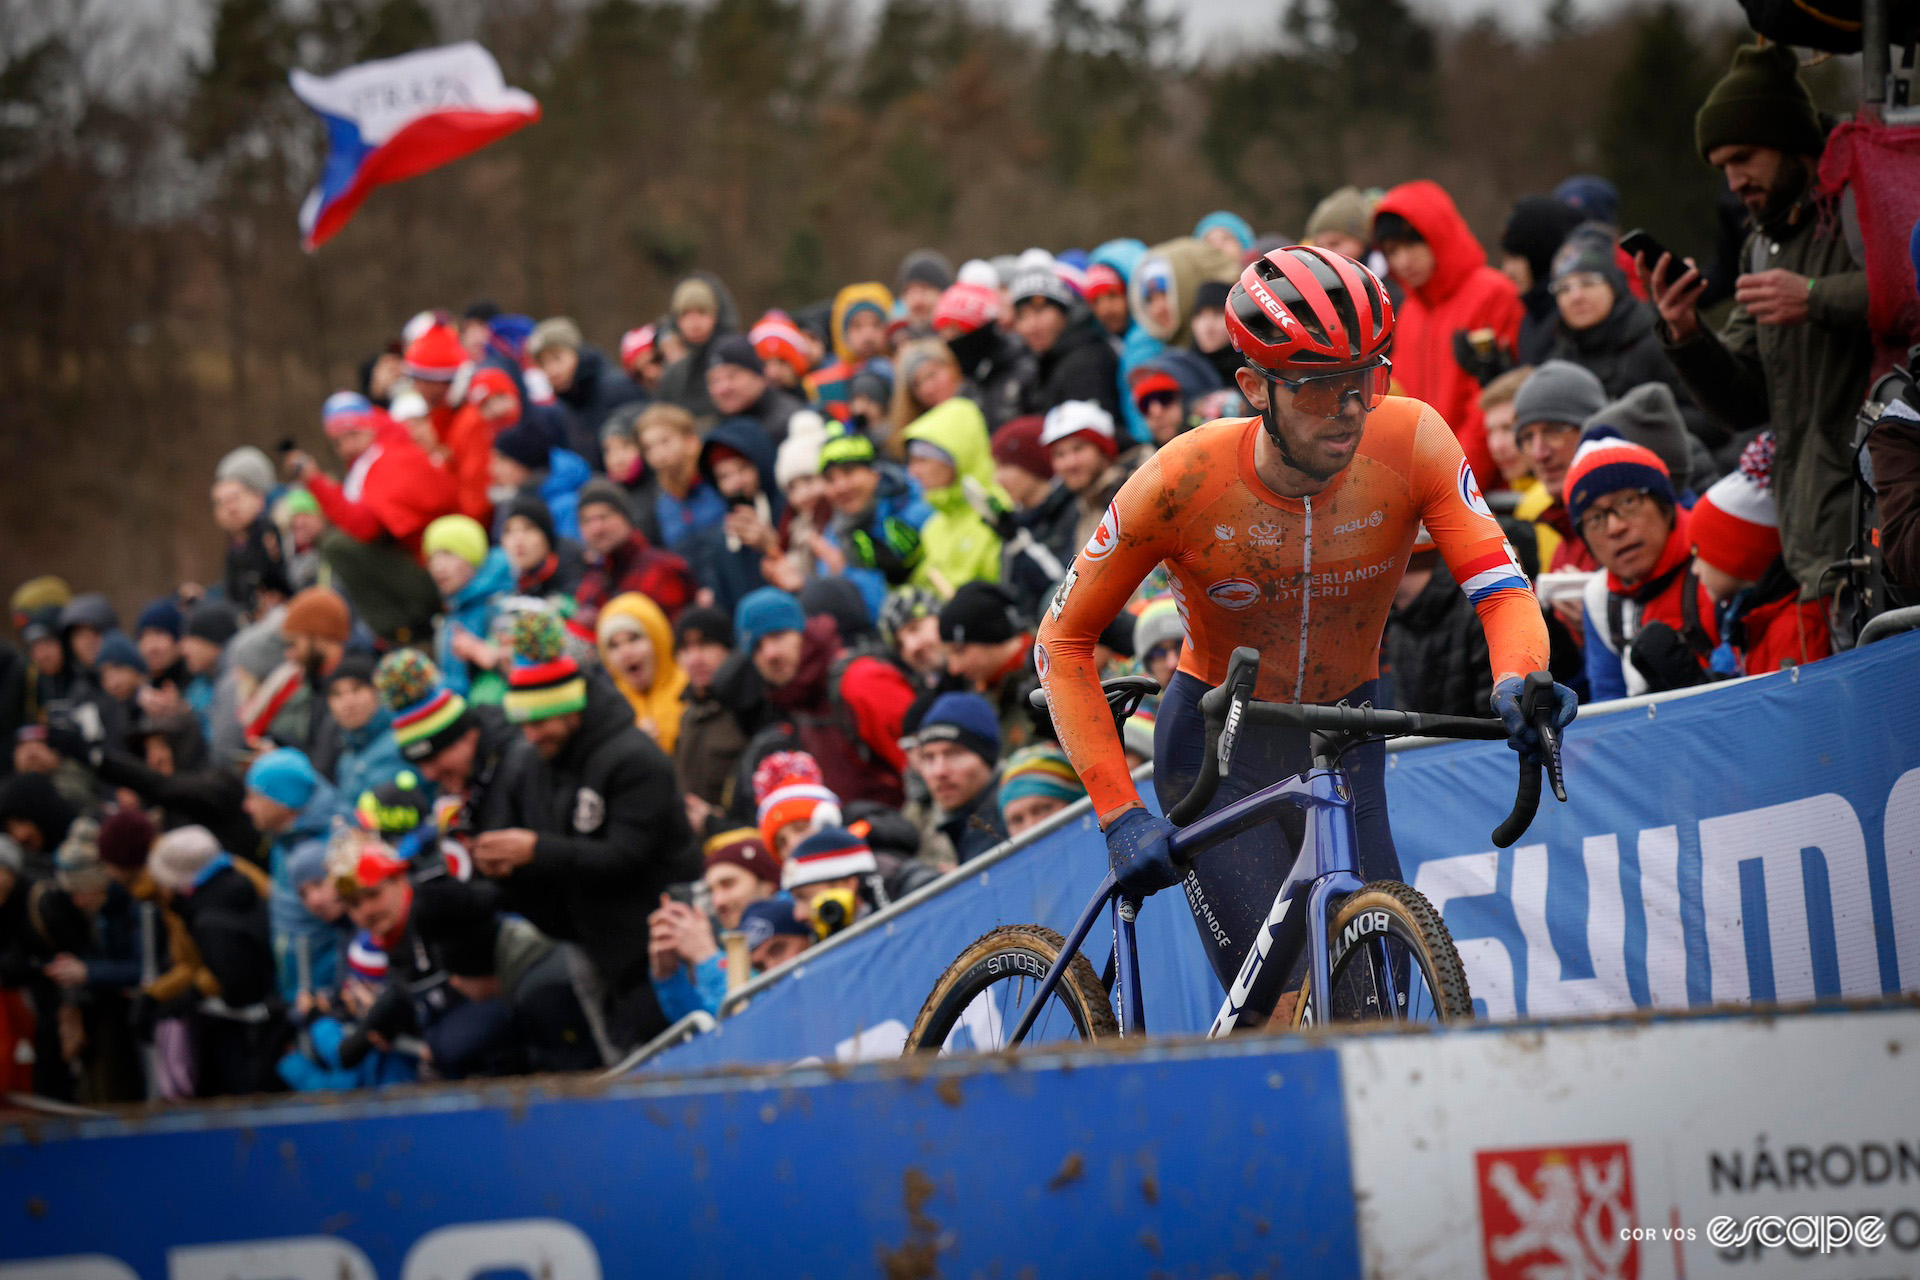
(461, 535)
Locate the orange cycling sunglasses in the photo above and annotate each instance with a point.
(1324, 395)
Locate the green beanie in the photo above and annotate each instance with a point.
(1760, 103)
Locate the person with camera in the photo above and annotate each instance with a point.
(609, 832)
(831, 876)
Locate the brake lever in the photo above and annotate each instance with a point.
(1550, 753)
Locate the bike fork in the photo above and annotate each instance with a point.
(1106, 893)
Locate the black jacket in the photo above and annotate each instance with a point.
(999, 369)
(773, 411)
(598, 388)
(613, 835)
(1438, 652)
(1081, 366)
(228, 921)
(195, 793)
(1624, 351)
(976, 826)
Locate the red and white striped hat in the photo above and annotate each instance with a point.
(1735, 525)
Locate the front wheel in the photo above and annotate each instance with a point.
(978, 1001)
(1391, 960)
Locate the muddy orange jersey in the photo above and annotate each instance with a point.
(1306, 581)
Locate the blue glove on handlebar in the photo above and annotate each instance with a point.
(1140, 855)
(1521, 736)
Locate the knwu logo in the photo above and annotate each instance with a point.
(1265, 534)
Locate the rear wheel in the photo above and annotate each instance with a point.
(982, 995)
(1391, 959)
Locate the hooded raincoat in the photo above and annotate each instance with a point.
(1462, 294)
(960, 546)
(657, 708)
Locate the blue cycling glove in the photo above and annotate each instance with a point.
(1140, 855)
(1521, 736)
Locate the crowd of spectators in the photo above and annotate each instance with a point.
(582, 682)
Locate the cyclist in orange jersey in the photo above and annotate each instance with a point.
(1287, 532)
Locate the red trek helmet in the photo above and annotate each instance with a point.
(1302, 310)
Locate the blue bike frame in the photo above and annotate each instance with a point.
(1324, 869)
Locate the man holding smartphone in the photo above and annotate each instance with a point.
(1795, 351)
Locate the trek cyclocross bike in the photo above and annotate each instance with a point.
(1375, 951)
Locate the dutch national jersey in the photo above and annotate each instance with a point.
(1306, 581)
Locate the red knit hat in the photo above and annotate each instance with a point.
(1147, 382)
(1608, 464)
(966, 307)
(1103, 279)
(436, 355)
(488, 382)
(635, 343)
(1735, 525)
(745, 849)
(1017, 444)
(777, 337)
(1083, 419)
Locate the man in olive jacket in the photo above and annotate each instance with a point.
(1796, 350)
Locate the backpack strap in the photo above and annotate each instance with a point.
(1617, 623)
(1690, 629)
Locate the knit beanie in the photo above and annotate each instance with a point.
(764, 611)
(1608, 465)
(44, 592)
(346, 411)
(90, 609)
(1648, 416)
(214, 621)
(924, 266)
(979, 613)
(1136, 735)
(525, 443)
(693, 294)
(1103, 280)
(407, 406)
(491, 381)
(770, 918)
(461, 535)
(545, 680)
(356, 665)
(776, 337)
(161, 615)
(555, 332)
(125, 838)
(601, 491)
(738, 350)
(1041, 282)
(831, 853)
(529, 507)
(1039, 770)
(965, 308)
(307, 863)
(966, 720)
(809, 803)
(395, 808)
(1229, 221)
(77, 862)
(847, 451)
(1017, 444)
(703, 624)
(1535, 230)
(436, 355)
(320, 612)
(902, 606)
(1084, 418)
(1760, 103)
(1588, 250)
(798, 456)
(1558, 391)
(249, 466)
(635, 343)
(623, 424)
(1347, 211)
(117, 649)
(285, 776)
(1735, 525)
(1157, 624)
(428, 717)
(179, 856)
(743, 848)
(873, 382)
(1590, 195)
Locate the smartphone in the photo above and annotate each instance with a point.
(1640, 243)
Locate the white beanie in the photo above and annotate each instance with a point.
(1073, 417)
(249, 466)
(978, 271)
(179, 856)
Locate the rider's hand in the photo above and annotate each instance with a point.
(1521, 736)
(1140, 855)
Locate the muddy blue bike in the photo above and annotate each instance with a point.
(1374, 951)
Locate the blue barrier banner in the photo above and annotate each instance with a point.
(1204, 1159)
(1757, 841)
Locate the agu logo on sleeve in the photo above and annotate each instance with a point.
(1234, 593)
(1470, 491)
(1106, 537)
(1558, 1211)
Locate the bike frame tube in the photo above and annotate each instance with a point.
(1133, 1006)
(1101, 896)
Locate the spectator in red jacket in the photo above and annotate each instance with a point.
(493, 405)
(1449, 289)
(391, 493)
(1764, 625)
(619, 557)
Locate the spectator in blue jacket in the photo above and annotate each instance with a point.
(878, 515)
(294, 807)
(525, 463)
(368, 755)
(472, 578)
(737, 460)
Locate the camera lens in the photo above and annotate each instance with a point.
(832, 913)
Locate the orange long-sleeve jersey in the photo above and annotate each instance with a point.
(1306, 581)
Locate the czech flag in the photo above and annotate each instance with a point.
(399, 117)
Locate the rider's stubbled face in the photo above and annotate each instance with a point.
(1320, 448)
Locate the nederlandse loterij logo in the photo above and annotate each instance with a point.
(1558, 1211)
